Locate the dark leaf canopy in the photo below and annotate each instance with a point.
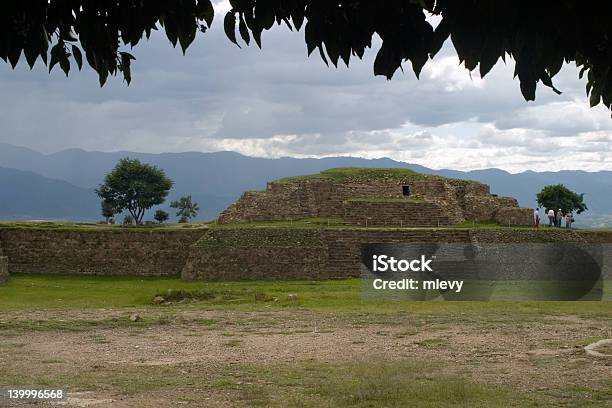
(540, 36)
(66, 29)
(558, 197)
(134, 186)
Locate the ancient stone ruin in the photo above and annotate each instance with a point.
(381, 197)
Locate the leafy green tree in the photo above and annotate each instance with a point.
(186, 208)
(108, 211)
(161, 216)
(558, 196)
(539, 36)
(135, 187)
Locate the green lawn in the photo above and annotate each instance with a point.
(414, 377)
(95, 227)
(32, 292)
(372, 382)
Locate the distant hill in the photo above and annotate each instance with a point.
(26, 195)
(216, 179)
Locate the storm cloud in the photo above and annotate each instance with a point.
(278, 102)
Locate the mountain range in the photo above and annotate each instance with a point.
(61, 185)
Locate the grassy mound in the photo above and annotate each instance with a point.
(345, 173)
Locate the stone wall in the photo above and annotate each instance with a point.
(121, 252)
(319, 197)
(289, 253)
(274, 253)
(514, 216)
(404, 213)
(234, 253)
(485, 208)
(4, 272)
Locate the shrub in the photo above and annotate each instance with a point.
(161, 216)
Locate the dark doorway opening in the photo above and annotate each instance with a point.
(406, 190)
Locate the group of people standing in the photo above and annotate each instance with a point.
(555, 219)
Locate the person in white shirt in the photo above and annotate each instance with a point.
(536, 218)
(551, 217)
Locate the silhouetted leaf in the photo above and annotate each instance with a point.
(257, 37)
(312, 39)
(528, 89)
(244, 31)
(126, 66)
(102, 76)
(441, 33)
(64, 62)
(13, 56)
(229, 24)
(206, 11)
(418, 61)
(548, 82)
(595, 97)
(298, 20)
(55, 55)
(31, 54)
(78, 57)
(323, 57)
(171, 29)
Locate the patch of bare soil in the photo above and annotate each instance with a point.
(175, 363)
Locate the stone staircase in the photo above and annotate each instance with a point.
(344, 246)
(395, 213)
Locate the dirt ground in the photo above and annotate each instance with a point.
(185, 357)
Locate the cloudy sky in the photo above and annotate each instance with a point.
(277, 102)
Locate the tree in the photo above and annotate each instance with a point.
(540, 36)
(135, 187)
(558, 196)
(186, 209)
(161, 216)
(108, 211)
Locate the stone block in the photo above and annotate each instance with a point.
(514, 216)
